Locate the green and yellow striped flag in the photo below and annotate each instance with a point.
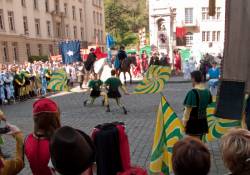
(169, 130)
(154, 80)
(58, 81)
(218, 126)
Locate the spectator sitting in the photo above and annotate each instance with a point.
(47, 119)
(16, 164)
(214, 75)
(235, 148)
(191, 157)
(72, 151)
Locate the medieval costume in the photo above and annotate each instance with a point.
(8, 80)
(2, 90)
(19, 86)
(195, 115)
(80, 74)
(44, 81)
(177, 63)
(95, 87)
(137, 69)
(113, 84)
(144, 63)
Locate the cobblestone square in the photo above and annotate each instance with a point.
(140, 121)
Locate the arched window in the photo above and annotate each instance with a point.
(160, 23)
(189, 39)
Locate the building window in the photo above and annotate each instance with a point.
(1, 20)
(101, 19)
(82, 33)
(204, 13)
(97, 18)
(218, 12)
(67, 31)
(15, 52)
(203, 36)
(11, 20)
(40, 49)
(208, 36)
(25, 25)
(37, 27)
(57, 7)
(48, 28)
(47, 5)
(28, 50)
(188, 15)
(5, 51)
(23, 3)
(214, 36)
(189, 39)
(58, 30)
(101, 36)
(95, 33)
(35, 4)
(74, 12)
(218, 35)
(94, 17)
(66, 9)
(80, 13)
(75, 32)
(207, 10)
(98, 36)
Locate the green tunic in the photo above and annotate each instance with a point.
(95, 85)
(205, 98)
(113, 83)
(198, 100)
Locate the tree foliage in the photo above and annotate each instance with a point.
(124, 18)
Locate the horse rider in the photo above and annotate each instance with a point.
(121, 55)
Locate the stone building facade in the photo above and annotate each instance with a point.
(35, 27)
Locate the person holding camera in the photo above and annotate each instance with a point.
(16, 164)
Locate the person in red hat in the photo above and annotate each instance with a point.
(46, 117)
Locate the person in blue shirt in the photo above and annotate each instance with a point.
(214, 75)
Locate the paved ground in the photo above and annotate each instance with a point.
(140, 120)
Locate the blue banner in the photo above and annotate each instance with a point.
(70, 51)
(110, 42)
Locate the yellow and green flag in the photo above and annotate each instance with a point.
(58, 81)
(169, 130)
(218, 126)
(154, 80)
